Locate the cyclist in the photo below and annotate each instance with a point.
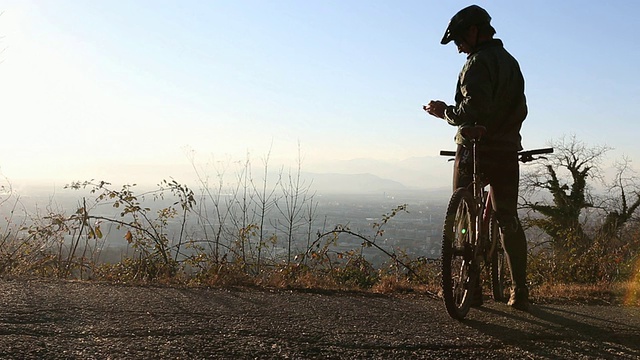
(490, 92)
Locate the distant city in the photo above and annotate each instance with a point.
(416, 231)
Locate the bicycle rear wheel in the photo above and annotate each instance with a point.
(458, 248)
(500, 270)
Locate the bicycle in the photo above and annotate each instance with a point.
(471, 236)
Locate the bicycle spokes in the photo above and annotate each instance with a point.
(458, 247)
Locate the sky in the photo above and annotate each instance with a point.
(138, 91)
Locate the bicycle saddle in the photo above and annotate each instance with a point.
(473, 132)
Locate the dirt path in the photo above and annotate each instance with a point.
(78, 320)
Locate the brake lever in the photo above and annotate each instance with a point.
(529, 158)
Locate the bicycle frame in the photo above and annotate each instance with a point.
(484, 206)
(485, 198)
(482, 200)
(465, 254)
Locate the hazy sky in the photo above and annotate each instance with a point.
(104, 89)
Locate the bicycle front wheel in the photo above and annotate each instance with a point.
(458, 248)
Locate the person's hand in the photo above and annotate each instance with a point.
(436, 108)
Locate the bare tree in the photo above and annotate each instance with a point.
(295, 195)
(264, 200)
(579, 223)
(623, 200)
(564, 177)
(240, 215)
(214, 222)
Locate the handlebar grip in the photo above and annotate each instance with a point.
(536, 152)
(447, 153)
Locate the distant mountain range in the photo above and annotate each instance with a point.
(356, 176)
(413, 173)
(351, 183)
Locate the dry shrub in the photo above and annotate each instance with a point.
(632, 292)
(223, 274)
(138, 270)
(389, 284)
(427, 273)
(296, 276)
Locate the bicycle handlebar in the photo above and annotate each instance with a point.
(524, 156)
(447, 153)
(527, 155)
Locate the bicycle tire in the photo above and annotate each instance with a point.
(500, 270)
(458, 248)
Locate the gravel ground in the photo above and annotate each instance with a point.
(47, 319)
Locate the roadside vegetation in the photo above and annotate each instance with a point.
(584, 242)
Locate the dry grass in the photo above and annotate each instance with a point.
(290, 277)
(393, 284)
(627, 293)
(303, 278)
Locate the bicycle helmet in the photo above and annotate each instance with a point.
(462, 20)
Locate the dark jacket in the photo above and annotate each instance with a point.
(490, 92)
